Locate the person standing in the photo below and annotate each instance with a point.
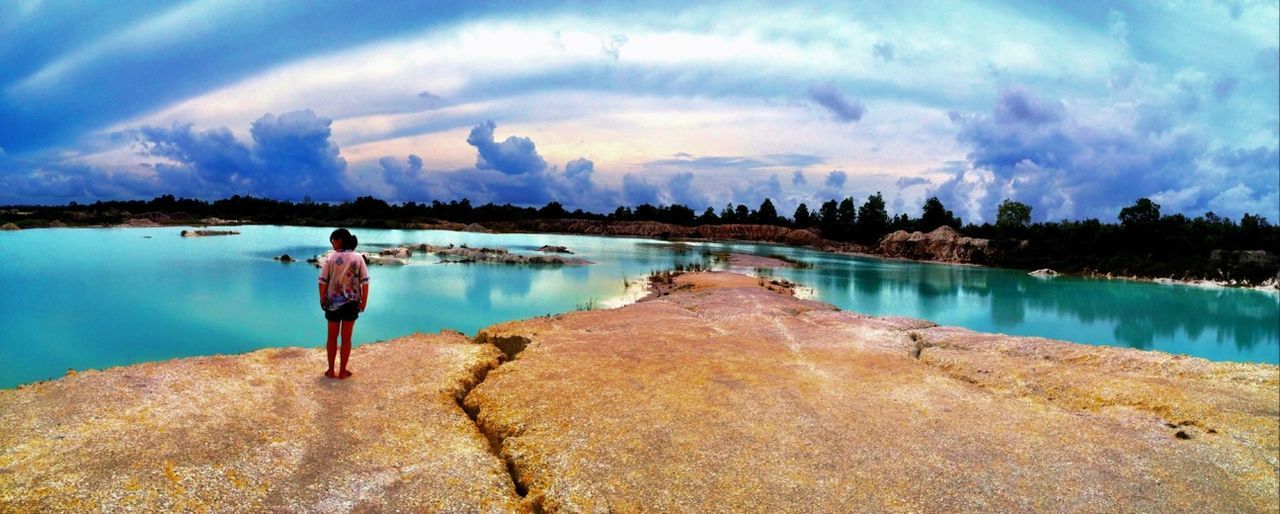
(344, 294)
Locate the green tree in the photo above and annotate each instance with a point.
(873, 219)
(767, 215)
(827, 213)
(1013, 215)
(1141, 213)
(727, 215)
(370, 207)
(646, 212)
(936, 215)
(708, 217)
(552, 210)
(827, 219)
(846, 213)
(741, 214)
(802, 217)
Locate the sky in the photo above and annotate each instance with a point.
(1076, 108)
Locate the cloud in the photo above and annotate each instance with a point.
(636, 191)
(514, 156)
(905, 182)
(735, 162)
(407, 177)
(612, 47)
(291, 157)
(681, 190)
(882, 50)
(1234, 8)
(1035, 151)
(1223, 88)
(753, 192)
(1017, 105)
(577, 189)
(533, 185)
(295, 153)
(797, 178)
(835, 179)
(678, 188)
(833, 186)
(1117, 26)
(430, 101)
(580, 167)
(829, 97)
(24, 181)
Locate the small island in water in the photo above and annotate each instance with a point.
(1144, 244)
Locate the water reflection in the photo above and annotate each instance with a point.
(154, 298)
(1140, 314)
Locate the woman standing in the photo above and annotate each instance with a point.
(344, 292)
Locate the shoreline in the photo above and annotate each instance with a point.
(740, 381)
(657, 284)
(1265, 287)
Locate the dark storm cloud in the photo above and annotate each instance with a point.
(291, 158)
(513, 156)
(1035, 152)
(844, 109)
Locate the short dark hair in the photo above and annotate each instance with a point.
(348, 239)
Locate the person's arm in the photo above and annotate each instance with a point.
(364, 285)
(324, 284)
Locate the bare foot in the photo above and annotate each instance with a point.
(330, 374)
(344, 374)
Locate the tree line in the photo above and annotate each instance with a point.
(1140, 241)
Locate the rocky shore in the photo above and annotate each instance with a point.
(653, 229)
(460, 254)
(207, 233)
(720, 396)
(943, 244)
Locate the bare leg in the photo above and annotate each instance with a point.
(347, 327)
(331, 347)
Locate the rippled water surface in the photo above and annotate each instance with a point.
(94, 298)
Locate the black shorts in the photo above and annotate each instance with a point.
(347, 312)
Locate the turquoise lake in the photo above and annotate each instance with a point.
(96, 298)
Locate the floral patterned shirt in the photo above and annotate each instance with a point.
(344, 273)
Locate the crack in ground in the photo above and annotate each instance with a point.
(919, 344)
(510, 347)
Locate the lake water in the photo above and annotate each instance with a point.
(95, 298)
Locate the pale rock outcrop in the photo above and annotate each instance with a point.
(943, 244)
(369, 259)
(466, 254)
(207, 233)
(9, 226)
(742, 232)
(399, 253)
(1043, 272)
(137, 222)
(447, 225)
(259, 432)
(726, 397)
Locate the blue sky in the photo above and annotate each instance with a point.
(1076, 109)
